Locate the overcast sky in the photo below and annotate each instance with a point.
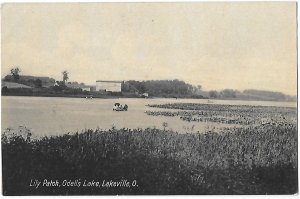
(217, 45)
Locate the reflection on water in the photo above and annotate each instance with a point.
(54, 116)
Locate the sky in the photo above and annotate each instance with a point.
(239, 45)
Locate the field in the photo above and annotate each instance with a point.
(258, 158)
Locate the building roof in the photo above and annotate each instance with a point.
(13, 85)
(109, 81)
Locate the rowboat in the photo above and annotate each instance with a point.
(118, 107)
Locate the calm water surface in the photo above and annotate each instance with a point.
(55, 116)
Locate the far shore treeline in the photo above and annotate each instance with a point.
(15, 84)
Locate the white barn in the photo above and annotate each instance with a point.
(113, 86)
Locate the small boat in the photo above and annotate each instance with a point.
(210, 102)
(89, 97)
(119, 107)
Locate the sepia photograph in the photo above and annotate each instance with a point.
(148, 98)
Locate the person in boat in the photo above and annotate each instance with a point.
(119, 107)
(116, 106)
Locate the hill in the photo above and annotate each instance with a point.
(13, 85)
(32, 81)
(250, 94)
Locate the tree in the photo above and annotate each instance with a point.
(4, 90)
(15, 73)
(213, 94)
(38, 83)
(228, 93)
(65, 76)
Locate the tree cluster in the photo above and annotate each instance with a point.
(161, 87)
(226, 93)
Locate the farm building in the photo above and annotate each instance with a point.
(80, 86)
(145, 95)
(89, 88)
(112, 86)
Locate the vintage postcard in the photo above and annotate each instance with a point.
(149, 98)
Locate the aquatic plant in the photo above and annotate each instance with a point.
(228, 114)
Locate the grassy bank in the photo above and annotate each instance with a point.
(71, 93)
(252, 160)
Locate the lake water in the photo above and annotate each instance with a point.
(55, 116)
